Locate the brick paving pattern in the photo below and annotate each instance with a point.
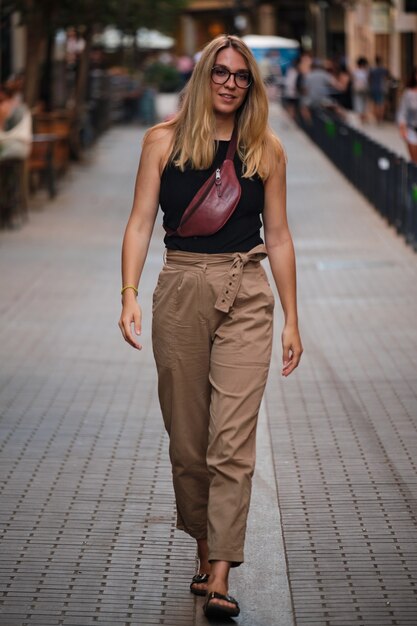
(344, 428)
(87, 515)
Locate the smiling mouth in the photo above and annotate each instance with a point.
(227, 95)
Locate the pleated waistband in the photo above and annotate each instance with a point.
(235, 260)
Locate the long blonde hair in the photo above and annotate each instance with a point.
(194, 124)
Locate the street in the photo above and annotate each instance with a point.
(87, 512)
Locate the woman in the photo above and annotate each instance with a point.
(213, 307)
(378, 86)
(360, 88)
(407, 115)
(291, 93)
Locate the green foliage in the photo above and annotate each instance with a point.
(164, 77)
(128, 15)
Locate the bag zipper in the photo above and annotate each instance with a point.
(218, 181)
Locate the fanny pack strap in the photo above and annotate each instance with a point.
(230, 154)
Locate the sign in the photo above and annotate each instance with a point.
(380, 17)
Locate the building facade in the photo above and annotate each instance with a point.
(387, 29)
(327, 28)
(202, 20)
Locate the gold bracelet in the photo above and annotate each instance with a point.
(129, 287)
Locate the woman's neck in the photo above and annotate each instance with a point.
(224, 128)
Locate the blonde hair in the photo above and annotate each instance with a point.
(194, 124)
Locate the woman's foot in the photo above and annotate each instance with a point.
(200, 580)
(218, 583)
(199, 584)
(218, 606)
(218, 586)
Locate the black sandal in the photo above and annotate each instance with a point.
(212, 609)
(199, 579)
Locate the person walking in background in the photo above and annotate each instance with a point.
(378, 87)
(407, 115)
(360, 88)
(343, 97)
(319, 88)
(270, 70)
(212, 306)
(291, 94)
(265, 68)
(185, 66)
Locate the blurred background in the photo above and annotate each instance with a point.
(71, 68)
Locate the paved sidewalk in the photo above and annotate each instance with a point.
(87, 511)
(87, 515)
(344, 428)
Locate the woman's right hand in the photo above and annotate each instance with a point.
(131, 314)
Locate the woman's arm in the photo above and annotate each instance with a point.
(281, 256)
(139, 228)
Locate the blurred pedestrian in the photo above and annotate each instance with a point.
(319, 87)
(360, 87)
(344, 94)
(270, 70)
(213, 307)
(265, 68)
(185, 66)
(407, 115)
(15, 123)
(276, 78)
(291, 93)
(378, 89)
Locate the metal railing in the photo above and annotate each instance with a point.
(387, 181)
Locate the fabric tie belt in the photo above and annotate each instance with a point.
(230, 287)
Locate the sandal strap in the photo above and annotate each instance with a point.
(219, 596)
(200, 579)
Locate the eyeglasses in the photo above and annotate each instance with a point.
(220, 75)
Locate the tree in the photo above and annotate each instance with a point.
(43, 18)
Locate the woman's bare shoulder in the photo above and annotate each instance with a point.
(159, 141)
(159, 136)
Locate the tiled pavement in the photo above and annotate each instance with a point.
(344, 427)
(86, 505)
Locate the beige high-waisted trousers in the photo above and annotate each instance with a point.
(212, 338)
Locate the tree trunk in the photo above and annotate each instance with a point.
(81, 92)
(47, 77)
(83, 68)
(35, 45)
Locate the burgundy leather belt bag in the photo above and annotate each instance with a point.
(214, 202)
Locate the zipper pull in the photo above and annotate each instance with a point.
(218, 181)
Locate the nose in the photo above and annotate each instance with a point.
(230, 83)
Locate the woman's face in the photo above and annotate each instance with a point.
(228, 97)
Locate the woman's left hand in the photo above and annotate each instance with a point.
(292, 349)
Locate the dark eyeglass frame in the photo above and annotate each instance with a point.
(229, 74)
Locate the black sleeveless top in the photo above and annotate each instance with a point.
(240, 233)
